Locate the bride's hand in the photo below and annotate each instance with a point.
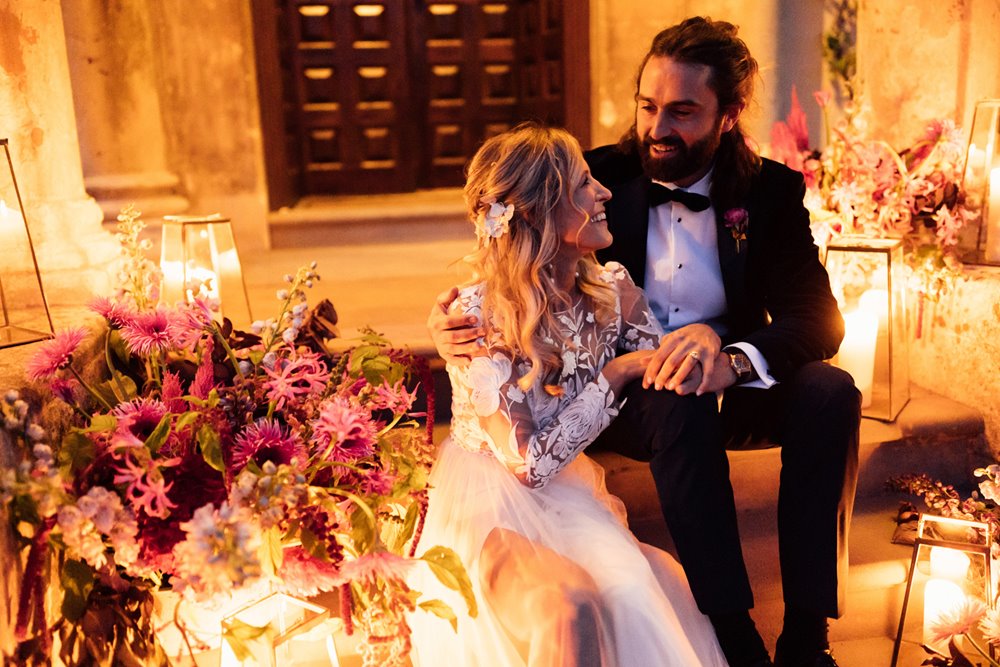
(626, 367)
(454, 335)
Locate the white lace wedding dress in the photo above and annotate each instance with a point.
(555, 496)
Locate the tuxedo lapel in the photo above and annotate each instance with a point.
(628, 221)
(732, 260)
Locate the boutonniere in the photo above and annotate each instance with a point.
(737, 220)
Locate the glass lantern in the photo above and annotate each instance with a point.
(950, 563)
(198, 258)
(866, 275)
(980, 242)
(279, 631)
(25, 312)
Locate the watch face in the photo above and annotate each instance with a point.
(741, 364)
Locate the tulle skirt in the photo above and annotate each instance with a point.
(645, 612)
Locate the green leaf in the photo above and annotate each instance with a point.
(362, 530)
(77, 581)
(185, 420)
(271, 554)
(242, 636)
(441, 610)
(159, 434)
(211, 451)
(406, 531)
(102, 423)
(448, 568)
(76, 452)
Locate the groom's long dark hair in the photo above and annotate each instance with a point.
(700, 40)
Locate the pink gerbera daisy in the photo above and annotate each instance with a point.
(299, 376)
(266, 440)
(148, 332)
(55, 354)
(957, 620)
(342, 432)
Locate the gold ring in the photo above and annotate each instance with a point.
(694, 354)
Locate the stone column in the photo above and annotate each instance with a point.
(36, 114)
(118, 107)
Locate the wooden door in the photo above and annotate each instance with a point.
(394, 95)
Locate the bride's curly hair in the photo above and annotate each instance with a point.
(532, 168)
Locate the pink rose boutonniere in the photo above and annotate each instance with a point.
(737, 220)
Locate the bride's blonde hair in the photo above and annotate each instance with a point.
(532, 168)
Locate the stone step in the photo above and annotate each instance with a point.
(346, 220)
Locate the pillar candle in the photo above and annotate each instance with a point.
(857, 352)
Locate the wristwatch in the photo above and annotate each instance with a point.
(740, 363)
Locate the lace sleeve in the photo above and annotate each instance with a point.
(535, 454)
(640, 330)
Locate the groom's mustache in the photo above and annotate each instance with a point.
(666, 142)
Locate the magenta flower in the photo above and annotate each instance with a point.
(375, 482)
(267, 440)
(737, 220)
(189, 324)
(55, 354)
(146, 490)
(297, 377)
(148, 332)
(63, 388)
(394, 398)
(342, 431)
(378, 565)
(303, 575)
(139, 417)
(204, 377)
(116, 313)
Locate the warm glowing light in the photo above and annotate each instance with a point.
(940, 596)
(949, 563)
(857, 352)
(993, 221)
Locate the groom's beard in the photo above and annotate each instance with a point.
(686, 160)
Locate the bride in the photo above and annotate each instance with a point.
(559, 578)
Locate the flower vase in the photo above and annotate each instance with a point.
(386, 641)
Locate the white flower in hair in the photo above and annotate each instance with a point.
(495, 220)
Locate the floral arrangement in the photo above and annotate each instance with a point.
(983, 505)
(162, 449)
(862, 186)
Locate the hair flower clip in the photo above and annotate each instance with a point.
(494, 221)
(737, 220)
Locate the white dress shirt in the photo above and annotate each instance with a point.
(683, 279)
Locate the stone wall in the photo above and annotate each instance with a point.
(783, 35)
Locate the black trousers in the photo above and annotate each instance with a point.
(814, 417)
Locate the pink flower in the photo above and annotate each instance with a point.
(55, 354)
(303, 575)
(822, 98)
(737, 220)
(957, 620)
(204, 377)
(990, 626)
(189, 324)
(139, 417)
(146, 490)
(374, 566)
(116, 313)
(148, 332)
(343, 432)
(64, 389)
(394, 398)
(267, 440)
(299, 376)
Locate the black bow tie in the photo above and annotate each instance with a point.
(660, 194)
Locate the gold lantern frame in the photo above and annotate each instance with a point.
(939, 532)
(979, 243)
(861, 267)
(30, 309)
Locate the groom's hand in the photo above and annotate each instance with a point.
(692, 348)
(454, 335)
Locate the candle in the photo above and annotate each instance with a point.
(949, 563)
(993, 220)
(857, 352)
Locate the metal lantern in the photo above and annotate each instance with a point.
(279, 630)
(867, 278)
(980, 242)
(198, 258)
(25, 313)
(950, 563)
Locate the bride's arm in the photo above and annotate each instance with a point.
(536, 454)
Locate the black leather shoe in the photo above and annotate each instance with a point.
(819, 659)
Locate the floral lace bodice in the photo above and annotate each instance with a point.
(538, 432)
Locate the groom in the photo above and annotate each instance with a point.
(720, 241)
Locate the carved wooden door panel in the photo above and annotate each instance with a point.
(392, 95)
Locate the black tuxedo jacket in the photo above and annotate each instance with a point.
(778, 292)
